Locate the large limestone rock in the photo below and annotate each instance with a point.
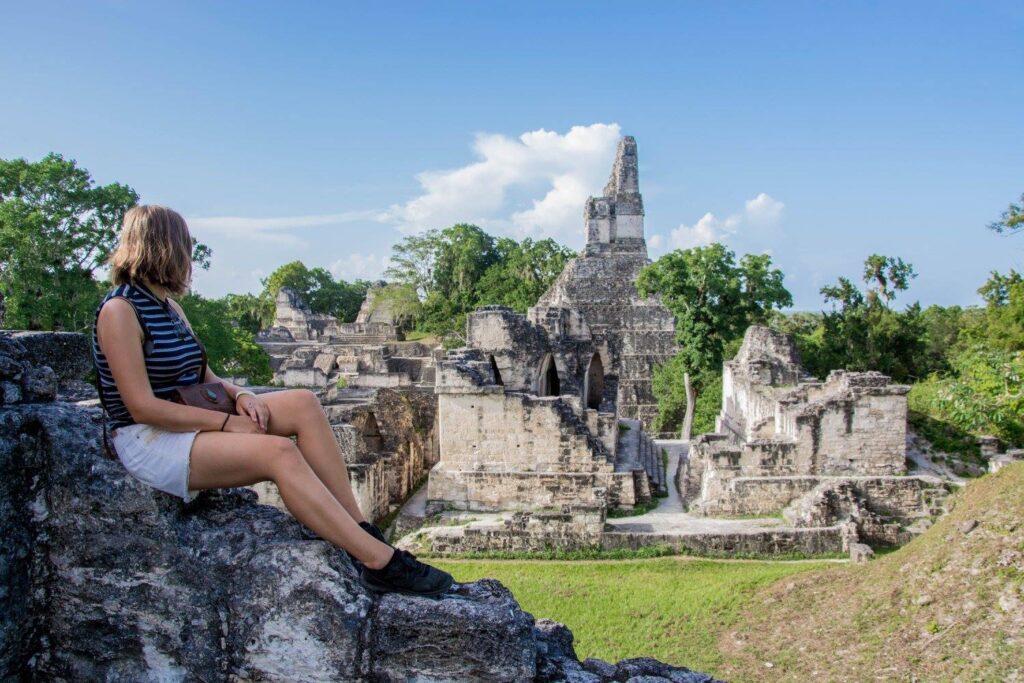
(106, 579)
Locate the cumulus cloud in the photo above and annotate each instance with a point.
(763, 210)
(359, 267)
(276, 230)
(564, 168)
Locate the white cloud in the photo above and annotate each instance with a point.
(763, 209)
(705, 231)
(359, 267)
(273, 230)
(568, 168)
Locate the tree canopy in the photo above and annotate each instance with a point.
(438, 277)
(318, 289)
(714, 300)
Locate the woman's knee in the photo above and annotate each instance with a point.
(283, 457)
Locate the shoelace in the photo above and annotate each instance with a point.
(410, 561)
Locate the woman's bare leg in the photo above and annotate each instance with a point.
(220, 460)
(298, 412)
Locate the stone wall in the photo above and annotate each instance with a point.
(389, 441)
(512, 451)
(784, 437)
(572, 527)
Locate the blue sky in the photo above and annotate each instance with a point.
(821, 132)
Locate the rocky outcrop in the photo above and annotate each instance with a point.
(106, 579)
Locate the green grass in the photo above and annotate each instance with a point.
(672, 609)
(638, 509)
(416, 335)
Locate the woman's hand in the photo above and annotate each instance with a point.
(255, 409)
(241, 424)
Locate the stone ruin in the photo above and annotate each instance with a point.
(376, 389)
(317, 351)
(636, 334)
(820, 454)
(535, 429)
(533, 410)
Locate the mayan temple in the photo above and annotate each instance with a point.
(601, 284)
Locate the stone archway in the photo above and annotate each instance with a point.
(549, 384)
(594, 383)
(497, 372)
(370, 432)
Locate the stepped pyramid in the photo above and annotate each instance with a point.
(601, 284)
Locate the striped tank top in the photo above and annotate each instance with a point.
(173, 355)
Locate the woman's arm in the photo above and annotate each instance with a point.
(120, 338)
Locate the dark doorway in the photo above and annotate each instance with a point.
(549, 384)
(370, 432)
(595, 382)
(497, 373)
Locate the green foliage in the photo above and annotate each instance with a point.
(983, 395)
(231, 348)
(57, 228)
(714, 300)
(318, 290)
(1011, 221)
(440, 276)
(522, 273)
(252, 313)
(862, 331)
(1002, 325)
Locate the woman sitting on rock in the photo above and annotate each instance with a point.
(144, 348)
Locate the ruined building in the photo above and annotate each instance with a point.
(819, 453)
(529, 411)
(376, 389)
(636, 334)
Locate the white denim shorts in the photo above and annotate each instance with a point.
(156, 456)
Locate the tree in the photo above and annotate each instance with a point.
(862, 331)
(318, 289)
(57, 229)
(714, 300)
(252, 313)
(521, 272)
(230, 348)
(1011, 221)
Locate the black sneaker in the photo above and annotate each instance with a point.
(374, 531)
(405, 574)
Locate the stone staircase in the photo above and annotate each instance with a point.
(637, 451)
(654, 464)
(580, 429)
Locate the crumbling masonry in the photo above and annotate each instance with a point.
(530, 410)
(820, 453)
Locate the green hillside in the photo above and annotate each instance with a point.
(947, 607)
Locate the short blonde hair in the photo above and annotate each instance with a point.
(155, 246)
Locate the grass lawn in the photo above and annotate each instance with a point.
(672, 608)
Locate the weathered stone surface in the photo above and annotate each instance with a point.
(821, 453)
(38, 383)
(106, 579)
(66, 353)
(860, 553)
(477, 634)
